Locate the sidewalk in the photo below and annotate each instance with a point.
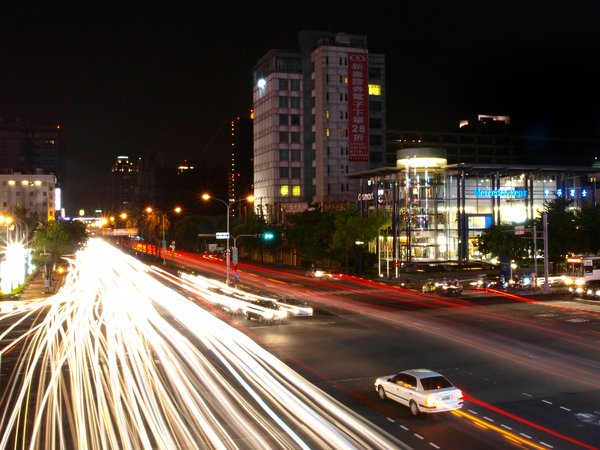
(36, 288)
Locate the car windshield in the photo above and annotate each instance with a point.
(433, 383)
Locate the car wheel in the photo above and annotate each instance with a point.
(381, 392)
(414, 408)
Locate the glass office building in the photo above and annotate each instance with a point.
(438, 210)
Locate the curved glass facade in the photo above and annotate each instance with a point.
(437, 211)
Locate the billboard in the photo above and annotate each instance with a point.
(358, 106)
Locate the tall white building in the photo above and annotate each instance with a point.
(319, 115)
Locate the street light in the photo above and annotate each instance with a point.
(164, 241)
(250, 199)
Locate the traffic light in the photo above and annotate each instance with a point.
(268, 235)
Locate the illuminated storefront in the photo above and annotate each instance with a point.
(437, 211)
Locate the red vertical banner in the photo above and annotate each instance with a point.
(358, 107)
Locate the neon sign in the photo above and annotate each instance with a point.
(514, 193)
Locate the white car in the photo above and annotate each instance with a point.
(422, 390)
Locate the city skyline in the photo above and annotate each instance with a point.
(129, 82)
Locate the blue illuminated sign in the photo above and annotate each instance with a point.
(516, 193)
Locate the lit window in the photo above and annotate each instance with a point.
(327, 132)
(374, 89)
(296, 191)
(284, 190)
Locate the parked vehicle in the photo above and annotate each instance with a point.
(422, 390)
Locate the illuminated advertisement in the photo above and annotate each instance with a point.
(504, 193)
(358, 107)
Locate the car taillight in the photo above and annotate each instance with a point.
(430, 401)
(460, 396)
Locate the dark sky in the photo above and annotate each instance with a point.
(127, 79)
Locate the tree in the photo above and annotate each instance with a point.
(55, 239)
(562, 230)
(310, 233)
(501, 240)
(587, 224)
(352, 231)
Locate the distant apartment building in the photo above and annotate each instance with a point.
(240, 171)
(26, 148)
(123, 185)
(490, 139)
(319, 114)
(34, 195)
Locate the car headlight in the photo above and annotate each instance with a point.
(579, 282)
(268, 315)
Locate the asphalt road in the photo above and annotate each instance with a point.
(529, 366)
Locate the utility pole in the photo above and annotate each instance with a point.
(545, 221)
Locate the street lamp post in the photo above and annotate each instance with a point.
(250, 199)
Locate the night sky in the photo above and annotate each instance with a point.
(130, 79)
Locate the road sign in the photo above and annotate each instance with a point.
(519, 229)
(222, 235)
(234, 254)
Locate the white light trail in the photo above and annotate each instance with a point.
(116, 359)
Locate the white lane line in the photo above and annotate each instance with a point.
(390, 419)
(473, 412)
(524, 435)
(566, 409)
(546, 445)
(433, 445)
(525, 393)
(505, 426)
(419, 436)
(548, 402)
(404, 428)
(488, 419)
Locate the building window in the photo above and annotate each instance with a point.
(296, 154)
(295, 191)
(283, 84)
(31, 193)
(375, 106)
(294, 85)
(283, 137)
(342, 132)
(375, 139)
(283, 154)
(283, 101)
(375, 89)
(295, 102)
(374, 72)
(374, 122)
(44, 193)
(283, 119)
(284, 172)
(295, 119)
(295, 135)
(327, 132)
(18, 193)
(296, 173)
(284, 190)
